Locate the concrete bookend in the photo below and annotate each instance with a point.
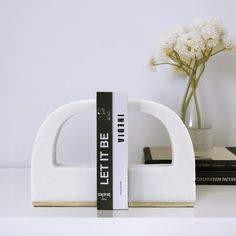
(149, 185)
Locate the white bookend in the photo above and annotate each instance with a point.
(149, 185)
(120, 150)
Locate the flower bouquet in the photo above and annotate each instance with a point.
(188, 49)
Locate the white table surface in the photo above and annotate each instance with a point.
(215, 208)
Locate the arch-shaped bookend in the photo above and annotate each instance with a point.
(149, 185)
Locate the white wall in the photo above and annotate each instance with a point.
(55, 52)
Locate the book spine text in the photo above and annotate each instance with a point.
(104, 151)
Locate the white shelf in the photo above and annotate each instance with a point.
(214, 204)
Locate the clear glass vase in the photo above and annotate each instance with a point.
(196, 115)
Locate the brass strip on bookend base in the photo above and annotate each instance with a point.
(94, 204)
(64, 204)
(161, 204)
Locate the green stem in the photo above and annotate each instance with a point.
(197, 107)
(192, 76)
(172, 64)
(166, 63)
(191, 70)
(217, 52)
(181, 63)
(190, 63)
(186, 101)
(196, 84)
(183, 110)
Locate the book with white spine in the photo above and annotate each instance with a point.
(120, 150)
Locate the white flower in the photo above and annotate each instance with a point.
(213, 23)
(187, 46)
(190, 45)
(168, 43)
(211, 31)
(210, 35)
(152, 64)
(227, 42)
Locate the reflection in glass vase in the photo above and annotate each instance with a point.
(196, 115)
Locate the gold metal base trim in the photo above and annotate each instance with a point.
(161, 204)
(94, 204)
(64, 204)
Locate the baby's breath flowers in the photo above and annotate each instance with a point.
(188, 49)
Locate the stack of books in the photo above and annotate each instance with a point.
(217, 169)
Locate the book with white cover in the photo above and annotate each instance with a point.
(120, 150)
